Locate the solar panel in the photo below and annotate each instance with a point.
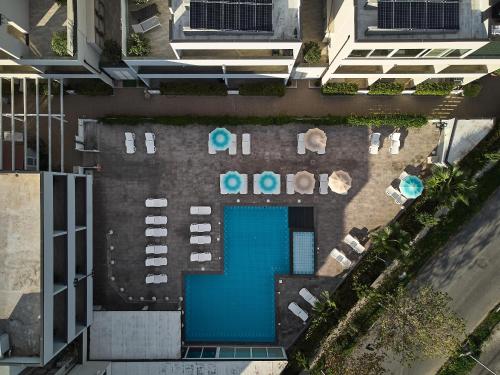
(418, 14)
(238, 15)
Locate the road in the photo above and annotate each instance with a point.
(467, 269)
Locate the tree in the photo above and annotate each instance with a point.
(449, 186)
(138, 45)
(392, 240)
(322, 310)
(340, 363)
(419, 326)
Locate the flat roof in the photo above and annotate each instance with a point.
(20, 261)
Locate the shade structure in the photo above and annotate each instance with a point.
(315, 140)
(411, 186)
(220, 139)
(340, 182)
(231, 182)
(304, 182)
(269, 183)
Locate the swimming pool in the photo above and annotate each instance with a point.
(239, 305)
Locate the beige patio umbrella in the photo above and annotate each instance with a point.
(315, 140)
(340, 182)
(304, 182)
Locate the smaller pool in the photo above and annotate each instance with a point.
(303, 253)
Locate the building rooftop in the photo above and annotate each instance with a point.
(20, 262)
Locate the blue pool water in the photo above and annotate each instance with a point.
(239, 305)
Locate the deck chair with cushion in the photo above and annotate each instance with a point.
(298, 312)
(308, 297)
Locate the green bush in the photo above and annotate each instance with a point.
(59, 43)
(434, 88)
(262, 89)
(198, 88)
(339, 88)
(312, 53)
(386, 88)
(111, 53)
(395, 120)
(91, 87)
(138, 45)
(427, 219)
(43, 87)
(472, 89)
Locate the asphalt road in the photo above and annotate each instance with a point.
(468, 270)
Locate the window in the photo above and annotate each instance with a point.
(407, 52)
(381, 52)
(457, 52)
(435, 52)
(359, 52)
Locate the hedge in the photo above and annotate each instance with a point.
(199, 88)
(312, 53)
(390, 120)
(386, 88)
(339, 88)
(472, 89)
(434, 88)
(91, 87)
(262, 89)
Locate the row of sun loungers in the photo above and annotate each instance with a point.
(204, 239)
(323, 184)
(297, 310)
(394, 138)
(130, 143)
(156, 261)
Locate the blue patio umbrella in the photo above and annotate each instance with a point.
(411, 186)
(220, 139)
(232, 182)
(268, 182)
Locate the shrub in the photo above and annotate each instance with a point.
(312, 53)
(59, 43)
(111, 53)
(472, 89)
(434, 88)
(396, 120)
(43, 87)
(386, 88)
(193, 88)
(340, 88)
(138, 45)
(141, 2)
(262, 89)
(92, 87)
(427, 219)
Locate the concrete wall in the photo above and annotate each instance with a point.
(17, 12)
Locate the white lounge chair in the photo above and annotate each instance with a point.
(146, 25)
(200, 228)
(403, 175)
(201, 257)
(129, 142)
(244, 184)
(354, 243)
(395, 143)
(156, 262)
(341, 258)
(307, 295)
(150, 143)
(396, 195)
(233, 145)
(156, 249)
(301, 146)
(200, 210)
(374, 143)
(298, 312)
(211, 150)
(323, 183)
(156, 202)
(290, 184)
(256, 187)
(156, 220)
(245, 144)
(200, 240)
(156, 279)
(156, 232)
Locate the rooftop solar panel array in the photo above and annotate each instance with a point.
(236, 15)
(418, 14)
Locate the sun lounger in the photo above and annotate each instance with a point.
(341, 258)
(290, 184)
(156, 232)
(199, 228)
(233, 145)
(374, 143)
(156, 202)
(146, 25)
(301, 146)
(200, 240)
(211, 150)
(396, 195)
(201, 257)
(156, 249)
(307, 295)
(395, 143)
(298, 312)
(150, 143)
(256, 187)
(403, 175)
(200, 210)
(156, 262)
(245, 144)
(354, 243)
(323, 183)
(156, 220)
(129, 142)
(244, 184)
(156, 279)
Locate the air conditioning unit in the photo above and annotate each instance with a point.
(4, 345)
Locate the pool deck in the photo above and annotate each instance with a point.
(184, 172)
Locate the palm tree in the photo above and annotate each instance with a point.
(391, 240)
(326, 305)
(449, 186)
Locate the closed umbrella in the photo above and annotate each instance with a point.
(315, 140)
(340, 182)
(304, 182)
